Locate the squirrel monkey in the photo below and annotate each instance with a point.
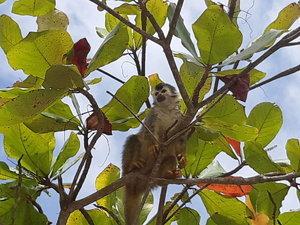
(140, 152)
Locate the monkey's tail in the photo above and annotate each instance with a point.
(132, 204)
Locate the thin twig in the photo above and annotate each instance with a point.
(115, 218)
(279, 75)
(111, 76)
(125, 21)
(174, 21)
(200, 85)
(160, 211)
(87, 216)
(135, 116)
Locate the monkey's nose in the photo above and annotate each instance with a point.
(160, 98)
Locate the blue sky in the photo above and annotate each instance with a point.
(84, 17)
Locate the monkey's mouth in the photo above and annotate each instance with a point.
(160, 98)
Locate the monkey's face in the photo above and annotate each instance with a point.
(165, 94)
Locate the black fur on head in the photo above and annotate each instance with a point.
(160, 86)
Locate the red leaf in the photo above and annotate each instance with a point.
(236, 145)
(92, 123)
(241, 86)
(229, 190)
(78, 54)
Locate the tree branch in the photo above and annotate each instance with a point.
(174, 21)
(279, 75)
(231, 10)
(125, 21)
(160, 211)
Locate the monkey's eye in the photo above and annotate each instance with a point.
(156, 93)
(163, 91)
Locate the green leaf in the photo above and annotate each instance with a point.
(289, 218)
(63, 77)
(209, 3)
(212, 170)
(267, 198)
(102, 32)
(111, 48)
(27, 105)
(293, 152)
(212, 30)
(94, 81)
(57, 117)
(69, 150)
(191, 74)
(199, 154)
(6, 173)
(15, 211)
(10, 33)
(38, 51)
(231, 208)
(285, 18)
(35, 149)
(1, 1)
(29, 82)
(267, 118)
(181, 32)
(99, 217)
(258, 159)
(255, 75)
(55, 20)
(187, 216)
(33, 7)
(133, 94)
(265, 40)
(110, 174)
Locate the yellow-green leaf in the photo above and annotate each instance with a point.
(99, 217)
(293, 153)
(6, 173)
(55, 20)
(217, 36)
(38, 51)
(10, 33)
(33, 7)
(286, 17)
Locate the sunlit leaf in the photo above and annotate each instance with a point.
(99, 217)
(187, 216)
(35, 149)
(212, 29)
(10, 33)
(55, 20)
(69, 149)
(258, 45)
(258, 159)
(102, 32)
(181, 31)
(63, 77)
(293, 153)
(289, 218)
(214, 169)
(111, 48)
(29, 82)
(33, 7)
(286, 17)
(230, 208)
(256, 218)
(6, 173)
(267, 118)
(133, 94)
(28, 105)
(38, 51)
(154, 80)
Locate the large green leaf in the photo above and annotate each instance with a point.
(187, 216)
(111, 48)
(230, 208)
(181, 31)
(255, 75)
(267, 198)
(267, 118)
(199, 154)
(38, 51)
(293, 153)
(286, 17)
(69, 149)
(110, 174)
(33, 7)
(258, 159)
(10, 33)
(27, 105)
(133, 94)
(99, 217)
(55, 20)
(217, 36)
(289, 218)
(35, 149)
(57, 117)
(191, 74)
(6, 173)
(63, 77)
